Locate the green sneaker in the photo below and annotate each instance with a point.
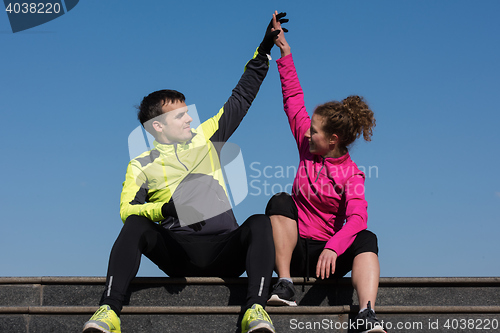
(104, 320)
(256, 320)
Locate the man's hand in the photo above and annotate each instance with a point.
(326, 264)
(271, 33)
(187, 215)
(197, 226)
(190, 217)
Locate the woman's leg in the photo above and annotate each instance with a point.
(365, 278)
(283, 215)
(285, 239)
(365, 267)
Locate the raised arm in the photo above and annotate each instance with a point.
(293, 96)
(220, 127)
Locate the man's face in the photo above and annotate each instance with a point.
(175, 123)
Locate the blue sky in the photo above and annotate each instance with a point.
(428, 69)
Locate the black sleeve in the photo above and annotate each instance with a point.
(241, 98)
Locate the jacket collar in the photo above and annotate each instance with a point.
(171, 148)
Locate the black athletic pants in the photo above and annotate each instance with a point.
(250, 248)
(307, 251)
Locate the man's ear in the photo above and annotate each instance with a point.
(157, 126)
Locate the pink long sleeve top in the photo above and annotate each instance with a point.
(329, 192)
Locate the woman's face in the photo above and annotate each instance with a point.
(320, 143)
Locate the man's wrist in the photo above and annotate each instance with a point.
(261, 56)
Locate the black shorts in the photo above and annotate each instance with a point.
(307, 251)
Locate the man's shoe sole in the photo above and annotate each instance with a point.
(262, 328)
(275, 300)
(94, 328)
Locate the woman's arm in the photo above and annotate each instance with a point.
(293, 96)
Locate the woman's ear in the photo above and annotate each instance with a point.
(334, 139)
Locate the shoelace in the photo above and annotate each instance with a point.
(101, 314)
(280, 286)
(371, 314)
(258, 314)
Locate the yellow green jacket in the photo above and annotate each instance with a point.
(158, 175)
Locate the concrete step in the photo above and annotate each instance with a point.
(63, 304)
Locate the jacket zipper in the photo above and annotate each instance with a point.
(175, 149)
(322, 166)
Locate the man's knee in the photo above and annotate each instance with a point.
(259, 227)
(259, 222)
(141, 230)
(137, 225)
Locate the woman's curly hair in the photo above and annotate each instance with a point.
(348, 119)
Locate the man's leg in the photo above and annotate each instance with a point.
(138, 236)
(255, 235)
(124, 262)
(250, 248)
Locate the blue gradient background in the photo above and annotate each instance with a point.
(429, 70)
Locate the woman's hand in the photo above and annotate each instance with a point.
(326, 264)
(280, 40)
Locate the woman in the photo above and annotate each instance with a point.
(321, 227)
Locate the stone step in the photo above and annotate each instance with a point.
(86, 291)
(403, 319)
(63, 304)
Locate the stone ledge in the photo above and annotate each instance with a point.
(384, 281)
(195, 291)
(237, 309)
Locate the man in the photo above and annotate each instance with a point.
(175, 207)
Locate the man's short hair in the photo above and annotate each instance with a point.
(151, 106)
